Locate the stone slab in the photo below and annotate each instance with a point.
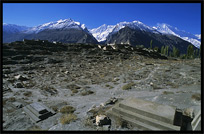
(38, 107)
(157, 111)
(196, 123)
(144, 119)
(38, 112)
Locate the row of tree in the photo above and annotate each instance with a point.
(190, 54)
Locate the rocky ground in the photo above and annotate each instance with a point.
(87, 78)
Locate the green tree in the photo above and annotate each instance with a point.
(167, 50)
(156, 49)
(196, 53)
(162, 50)
(151, 44)
(170, 54)
(190, 52)
(200, 52)
(183, 56)
(176, 52)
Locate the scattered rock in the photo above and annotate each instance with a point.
(111, 101)
(151, 83)
(18, 85)
(189, 112)
(66, 72)
(21, 78)
(6, 89)
(102, 120)
(18, 104)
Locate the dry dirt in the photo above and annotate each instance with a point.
(84, 79)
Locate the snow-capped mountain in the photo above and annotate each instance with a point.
(12, 28)
(168, 29)
(65, 24)
(102, 32)
(66, 31)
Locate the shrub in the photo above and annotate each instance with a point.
(128, 86)
(12, 99)
(196, 96)
(74, 91)
(87, 92)
(28, 94)
(73, 86)
(168, 92)
(156, 87)
(55, 108)
(67, 118)
(49, 89)
(67, 109)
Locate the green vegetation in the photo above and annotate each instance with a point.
(28, 94)
(165, 50)
(87, 92)
(128, 86)
(175, 52)
(190, 52)
(67, 118)
(67, 109)
(151, 44)
(168, 92)
(196, 96)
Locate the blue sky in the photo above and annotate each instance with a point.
(184, 16)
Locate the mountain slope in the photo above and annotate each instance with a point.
(12, 28)
(66, 31)
(101, 33)
(168, 29)
(135, 37)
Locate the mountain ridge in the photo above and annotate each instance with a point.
(99, 34)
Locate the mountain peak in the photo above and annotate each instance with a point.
(168, 29)
(66, 23)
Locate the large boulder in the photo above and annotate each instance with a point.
(102, 120)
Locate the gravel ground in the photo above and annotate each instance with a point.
(86, 79)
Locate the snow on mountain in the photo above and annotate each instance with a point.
(198, 36)
(12, 28)
(133, 25)
(195, 42)
(168, 29)
(66, 23)
(103, 31)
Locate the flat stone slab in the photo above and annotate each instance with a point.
(38, 107)
(164, 112)
(37, 111)
(145, 115)
(196, 123)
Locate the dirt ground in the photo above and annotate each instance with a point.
(87, 79)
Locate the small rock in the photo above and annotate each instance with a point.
(21, 78)
(102, 105)
(151, 83)
(18, 85)
(111, 101)
(66, 72)
(189, 112)
(102, 120)
(18, 104)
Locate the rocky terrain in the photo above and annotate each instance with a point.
(81, 81)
